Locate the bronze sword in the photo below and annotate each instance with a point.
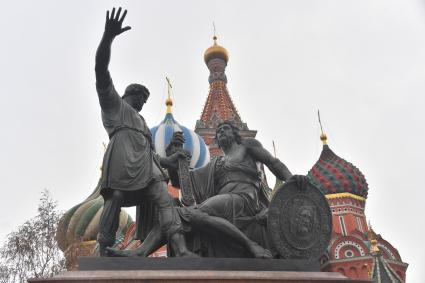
(184, 178)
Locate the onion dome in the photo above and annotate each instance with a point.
(81, 223)
(216, 51)
(162, 134)
(333, 174)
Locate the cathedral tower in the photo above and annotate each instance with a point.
(219, 106)
(355, 250)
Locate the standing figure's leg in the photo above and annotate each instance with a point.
(169, 220)
(153, 241)
(109, 220)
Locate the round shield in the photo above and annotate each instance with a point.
(299, 221)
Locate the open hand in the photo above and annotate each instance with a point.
(113, 25)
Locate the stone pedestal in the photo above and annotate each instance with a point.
(192, 276)
(214, 264)
(211, 270)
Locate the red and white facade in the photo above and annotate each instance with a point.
(355, 250)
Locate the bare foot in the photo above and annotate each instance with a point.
(260, 252)
(120, 253)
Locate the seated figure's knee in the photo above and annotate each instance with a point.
(196, 216)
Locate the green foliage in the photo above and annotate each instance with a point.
(31, 251)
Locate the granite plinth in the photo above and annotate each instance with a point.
(176, 276)
(229, 264)
(211, 270)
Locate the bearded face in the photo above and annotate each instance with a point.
(303, 223)
(136, 101)
(225, 136)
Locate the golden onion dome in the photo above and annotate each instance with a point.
(216, 51)
(324, 138)
(169, 104)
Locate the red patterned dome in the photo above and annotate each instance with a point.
(332, 174)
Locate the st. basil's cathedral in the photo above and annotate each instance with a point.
(355, 249)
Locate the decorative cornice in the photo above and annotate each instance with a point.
(359, 258)
(345, 195)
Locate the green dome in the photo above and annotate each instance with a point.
(81, 222)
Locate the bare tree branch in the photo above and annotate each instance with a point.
(32, 250)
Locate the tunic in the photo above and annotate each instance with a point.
(235, 189)
(129, 163)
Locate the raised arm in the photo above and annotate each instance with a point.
(279, 169)
(256, 150)
(113, 27)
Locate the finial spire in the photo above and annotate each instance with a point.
(215, 35)
(374, 249)
(323, 136)
(169, 101)
(274, 149)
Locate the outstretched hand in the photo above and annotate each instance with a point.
(301, 181)
(113, 25)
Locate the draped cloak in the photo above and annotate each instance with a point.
(240, 202)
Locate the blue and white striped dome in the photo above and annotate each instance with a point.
(163, 133)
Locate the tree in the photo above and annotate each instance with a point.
(32, 251)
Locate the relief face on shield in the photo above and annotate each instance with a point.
(303, 222)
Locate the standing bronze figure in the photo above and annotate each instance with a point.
(132, 173)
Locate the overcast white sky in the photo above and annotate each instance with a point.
(362, 63)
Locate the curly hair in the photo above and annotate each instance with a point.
(136, 89)
(235, 131)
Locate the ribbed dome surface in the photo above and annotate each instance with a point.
(333, 175)
(163, 133)
(81, 222)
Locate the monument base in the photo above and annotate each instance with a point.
(192, 276)
(211, 270)
(174, 263)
